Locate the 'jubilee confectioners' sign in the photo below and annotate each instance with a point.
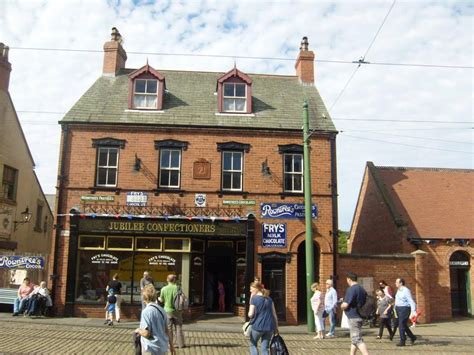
(161, 227)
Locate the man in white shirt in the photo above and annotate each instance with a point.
(330, 302)
(405, 307)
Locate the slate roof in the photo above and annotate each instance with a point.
(434, 203)
(190, 100)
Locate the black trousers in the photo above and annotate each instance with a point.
(385, 323)
(404, 330)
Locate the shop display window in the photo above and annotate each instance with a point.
(120, 243)
(91, 242)
(177, 244)
(196, 287)
(241, 265)
(148, 244)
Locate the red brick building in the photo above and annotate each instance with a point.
(417, 223)
(194, 173)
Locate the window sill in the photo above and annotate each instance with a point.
(145, 110)
(8, 201)
(94, 189)
(169, 191)
(221, 193)
(290, 194)
(235, 114)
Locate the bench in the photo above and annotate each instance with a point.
(8, 295)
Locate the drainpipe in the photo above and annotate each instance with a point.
(335, 226)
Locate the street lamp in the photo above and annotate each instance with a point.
(25, 218)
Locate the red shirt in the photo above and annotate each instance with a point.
(25, 290)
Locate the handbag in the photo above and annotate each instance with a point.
(247, 328)
(278, 346)
(137, 343)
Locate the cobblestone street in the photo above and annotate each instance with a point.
(88, 336)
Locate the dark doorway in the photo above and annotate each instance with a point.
(273, 271)
(460, 284)
(302, 294)
(219, 267)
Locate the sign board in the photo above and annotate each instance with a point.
(274, 235)
(459, 263)
(162, 260)
(239, 202)
(107, 259)
(97, 198)
(136, 198)
(200, 200)
(21, 262)
(286, 210)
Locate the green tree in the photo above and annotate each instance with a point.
(343, 236)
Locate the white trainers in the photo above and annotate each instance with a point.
(329, 335)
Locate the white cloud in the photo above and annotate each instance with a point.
(415, 32)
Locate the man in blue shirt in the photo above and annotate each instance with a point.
(355, 298)
(405, 306)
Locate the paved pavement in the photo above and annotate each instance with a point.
(211, 336)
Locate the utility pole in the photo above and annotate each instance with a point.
(308, 218)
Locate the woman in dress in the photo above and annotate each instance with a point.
(317, 304)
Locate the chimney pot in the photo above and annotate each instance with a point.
(5, 67)
(114, 54)
(305, 63)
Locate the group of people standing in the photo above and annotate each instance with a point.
(31, 298)
(324, 308)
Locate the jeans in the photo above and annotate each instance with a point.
(404, 330)
(255, 336)
(385, 323)
(20, 305)
(332, 321)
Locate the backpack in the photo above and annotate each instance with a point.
(180, 302)
(278, 346)
(367, 310)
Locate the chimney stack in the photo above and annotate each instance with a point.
(305, 64)
(5, 67)
(114, 54)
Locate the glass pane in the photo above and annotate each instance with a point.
(103, 157)
(240, 90)
(151, 86)
(228, 89)
(197, 245)
(196, 282)
(174, 178)
(91, 242)
(298, 163)
(149, 243)
(140, 85)
(288, 163)
(175, 159)
(298, 183)
(237, 161)
(176, 244)
(164, 178)
(236, 185)
(241, 245)
(165, 158)
(139, 100)
(151, 101)
(120, 243)
(102, 176)
(226, 184)
(227, 156)
(112, 177)
(229, 105)
(240, 105)
(288, 180)
(113, 153)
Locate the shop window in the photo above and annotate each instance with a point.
(177, 244)
(196, 287)
(241, 247)
(148, 244)
(197, 245)
(9, 183)
(91, 242)
(241, 266)
(120, 243)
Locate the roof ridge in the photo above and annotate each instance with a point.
(129, 70)
(404, 168)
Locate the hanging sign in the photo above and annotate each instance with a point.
(286, 210)
(274, 235)
(136, 198)
(162, 260)
(108, 259)
(21, 262)
(200, 200)
(239, 202)
(459, 263)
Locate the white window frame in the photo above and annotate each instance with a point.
(107, 166)
(234, 98)
(232, 170)
(169, 168)
(145, 94)
(294, 174)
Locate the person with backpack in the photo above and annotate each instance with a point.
(172, 297)
(354, 300)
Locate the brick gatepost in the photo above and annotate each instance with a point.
(422, 285)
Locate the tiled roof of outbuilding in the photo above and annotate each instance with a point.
(190, 100)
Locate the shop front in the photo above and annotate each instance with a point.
(201, 252)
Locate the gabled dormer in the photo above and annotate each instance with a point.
(146, 89)
(234, 92)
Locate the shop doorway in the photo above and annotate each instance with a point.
(273, 272)
(302, 294)
(459, 270)
(219, 268)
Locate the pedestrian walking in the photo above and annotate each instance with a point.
(263, 318)
(330, 304)
(175, 316)
(317, 305)
(154, 332)
(145, 280)
(406, 308)
(116, 286)
(354, 298)
(384, 311)
(110, 308)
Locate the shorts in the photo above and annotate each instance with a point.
(355, 329)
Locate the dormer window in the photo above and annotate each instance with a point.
(234, 91)
(146, 88)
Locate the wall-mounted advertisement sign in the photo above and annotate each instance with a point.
(21, 262)
(200, 200)
(274, 235)
(162, 260)
(97, 198)
(103, 258)
(286, 210)
(238, 202)
(136, 198)
(197, 261)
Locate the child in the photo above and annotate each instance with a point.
(221, 291)
(384, 310)
(110, 307)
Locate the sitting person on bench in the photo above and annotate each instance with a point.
(21, 302)
(40, 300)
